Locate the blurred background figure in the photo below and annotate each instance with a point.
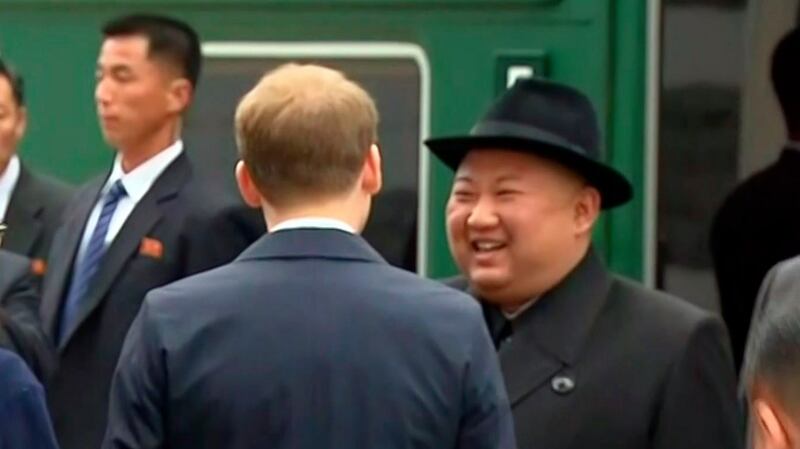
(30, 204)
(757, 225)
(771, 377)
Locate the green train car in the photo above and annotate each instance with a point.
(433, 67)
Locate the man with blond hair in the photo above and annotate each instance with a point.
(309, 339)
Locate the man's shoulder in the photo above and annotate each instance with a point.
(458, 282)
(454, 290)
(51, 191)
(759, 190)
(788, 270)
(14, 374)
(657, 314)
(400, 291)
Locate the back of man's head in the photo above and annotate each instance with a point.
(772, 377)
(304, 131)
(786, 79)
(170, 40)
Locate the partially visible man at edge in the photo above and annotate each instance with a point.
(590, 359)
(771, 377)
(20, 327)
(149, 221)
(30, 204)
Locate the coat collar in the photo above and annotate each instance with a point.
(312, 243)
(561, 320)
(548, 338)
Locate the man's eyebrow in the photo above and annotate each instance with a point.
(508, 178)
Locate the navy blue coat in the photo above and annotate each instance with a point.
(308, 340)
(24, 422)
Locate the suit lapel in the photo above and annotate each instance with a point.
(525, 366)
(144, 216)
(62, 255)
(23, 216)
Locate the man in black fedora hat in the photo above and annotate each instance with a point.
(589, 359)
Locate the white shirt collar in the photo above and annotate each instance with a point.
(314, 223)
(8, 180)
(512, 315)
(139, 180)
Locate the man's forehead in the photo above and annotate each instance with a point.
(495, 163)
(500, 165)
(128, 47)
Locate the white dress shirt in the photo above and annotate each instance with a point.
(313, 223)
(8, 180)
(136, 182)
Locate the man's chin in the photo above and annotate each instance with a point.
(487, 282)
(112, 140)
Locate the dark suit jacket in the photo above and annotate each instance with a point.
(24, 423)
(308, 340)
(34, 213)
(20, 328)
(177, 229)
(756, 227)
(602, 362)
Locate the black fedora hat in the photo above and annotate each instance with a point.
(548, 119)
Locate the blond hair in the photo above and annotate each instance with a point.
(305, 130)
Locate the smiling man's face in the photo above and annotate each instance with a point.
(513, 223)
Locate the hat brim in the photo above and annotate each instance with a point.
(614, 188)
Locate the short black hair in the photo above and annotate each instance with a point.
(17, 85)
(786, 77)
(168, 38)
(773, 352)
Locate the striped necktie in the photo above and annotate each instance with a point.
(86, 267)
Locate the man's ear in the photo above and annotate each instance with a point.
(372, 176)
(179, 95)
(770, 432)
(587, 209)
(23, 123)
(247, 188)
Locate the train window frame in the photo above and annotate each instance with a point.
(356, 50)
